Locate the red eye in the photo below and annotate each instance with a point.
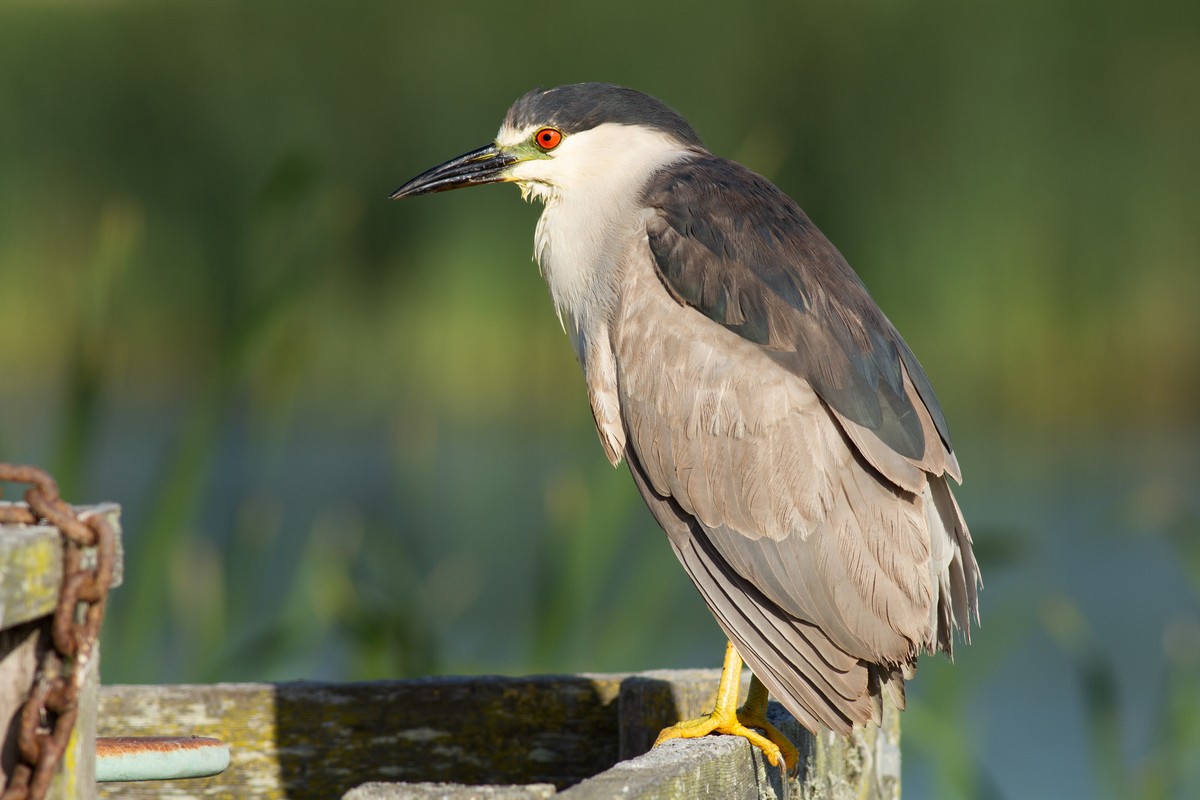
(547, 138)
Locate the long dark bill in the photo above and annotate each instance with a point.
(485, 165)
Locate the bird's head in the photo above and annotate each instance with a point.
(577, 137)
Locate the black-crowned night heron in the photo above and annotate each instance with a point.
(780, 430)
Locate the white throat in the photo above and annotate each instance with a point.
(591, 187)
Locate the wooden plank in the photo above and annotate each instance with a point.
(449, 791)
(78, 769)
(21, 647)
(711, 768)
(305, 740)
(31, 565)
(318, 740)
(30, 573)
(653, 700)
(30, 577)
(862, 766)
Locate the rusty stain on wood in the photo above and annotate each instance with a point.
(120, 745)
(144, 758)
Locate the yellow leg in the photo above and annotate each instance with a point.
(754, 715)
(728, 719)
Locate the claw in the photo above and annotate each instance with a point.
(754, 715)
(727, 719)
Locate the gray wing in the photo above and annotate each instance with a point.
(796, 464)
(728, 243)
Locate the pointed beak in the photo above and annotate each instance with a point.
(485, 165)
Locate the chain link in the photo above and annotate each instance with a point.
(48, 715)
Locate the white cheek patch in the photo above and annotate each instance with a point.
(609, 160)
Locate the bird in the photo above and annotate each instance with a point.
(778, 427)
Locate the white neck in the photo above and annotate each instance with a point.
(591, 187)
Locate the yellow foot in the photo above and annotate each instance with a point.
(754, 715)
(731, 725)
(726, 720)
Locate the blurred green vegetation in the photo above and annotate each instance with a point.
(200, 182)
(349, 435)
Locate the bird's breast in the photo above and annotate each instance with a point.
(580, 254)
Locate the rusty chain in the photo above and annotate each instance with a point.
(48, 715)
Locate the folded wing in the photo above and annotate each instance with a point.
(789, 443)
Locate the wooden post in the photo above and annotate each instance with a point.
(30, 577)
(581, 737)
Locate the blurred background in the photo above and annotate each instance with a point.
(351, 441)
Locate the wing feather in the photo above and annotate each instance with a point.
(731, 245)
(829, 559)
(820, 535)
(820, 683)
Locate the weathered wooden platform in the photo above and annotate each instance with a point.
(576, 737)
(30, 577)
